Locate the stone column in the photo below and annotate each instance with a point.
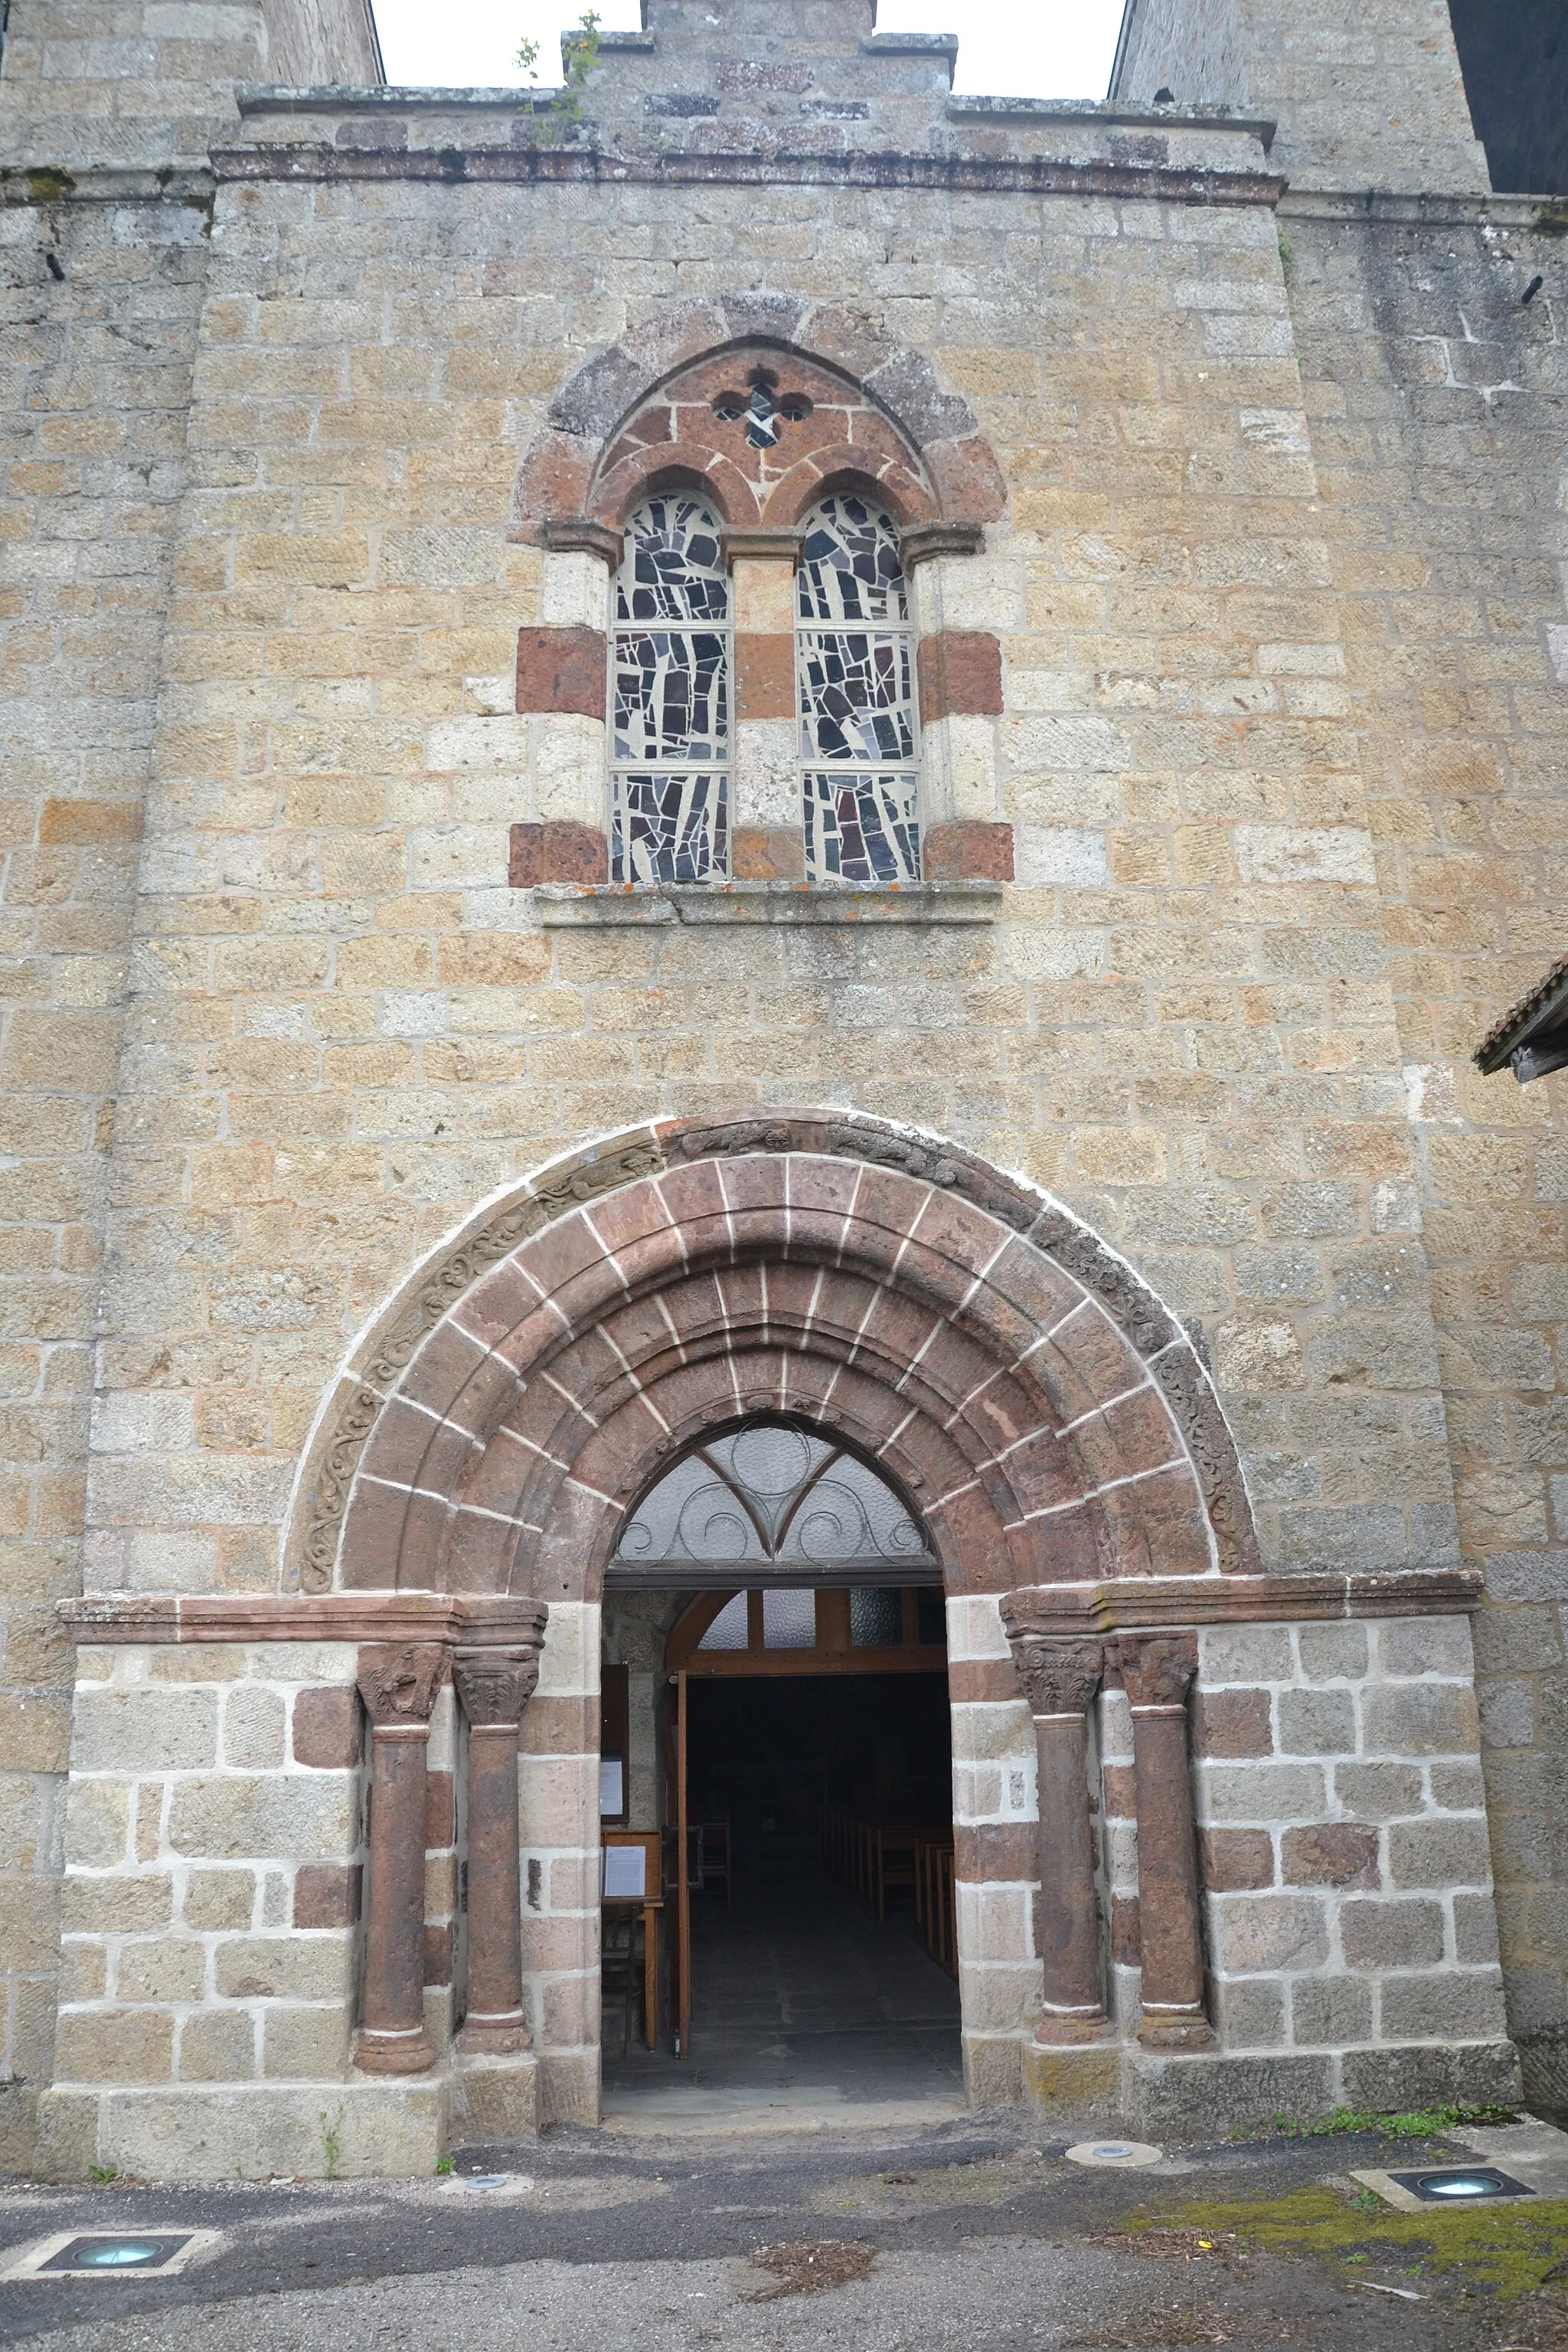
(767, 841)
(1157, 1670)
(559, 696)
(398, 1686)
(494, 1686)
(1061, 1678)
(963, 833)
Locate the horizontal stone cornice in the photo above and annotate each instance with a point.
(1064, 1611)
(980, 174)
(477, 1621)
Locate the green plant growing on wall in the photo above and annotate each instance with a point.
(332, 2139)
(579, 55)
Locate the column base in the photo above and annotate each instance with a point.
(498, 2036)
(1175, 2029)
(378, 2052)
(1070, 2029)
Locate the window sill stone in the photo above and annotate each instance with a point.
(572, 907)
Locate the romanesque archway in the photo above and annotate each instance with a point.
(1015, 1375)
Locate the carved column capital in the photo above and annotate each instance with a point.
(398, 1685)
(1157, 1669)
(495, 1686)
(1059, 1678)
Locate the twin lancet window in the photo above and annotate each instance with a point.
(672, 718)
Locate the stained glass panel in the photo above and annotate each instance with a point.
(670, 702)
(857, 697)
(673, 568)
(862, 828)
(670, 828)
(849, 567)
(855, 694)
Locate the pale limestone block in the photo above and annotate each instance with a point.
(302, 1661)
(256, 2131)
(1282, 853)
(1047, 855)
(570, 781)
(573, 591)
(500, 743)
(143, 1421)
(968, 592)
(975, 1627)
(98, 1824)
(137, 1560)
(959, 763)
(999, 1996)
(766, 773)
(1423, 1646)
(994, 1922)
(144, 1731)
(450, 857)
(493, 697)
(994, 1731)
(254, 1721)
(569, 1664)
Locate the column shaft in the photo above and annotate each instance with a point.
(494, 1686)
(1157, 1673)
(398, 1688)
(1061, 1678)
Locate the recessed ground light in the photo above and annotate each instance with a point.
(1451, 2184)
(109, 2254)
(1469, 2181)
(1128, 2152)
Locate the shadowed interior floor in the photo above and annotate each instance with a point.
(800, 1998)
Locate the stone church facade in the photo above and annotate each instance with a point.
(810, 750)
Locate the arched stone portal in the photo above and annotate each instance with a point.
(1048, 1417)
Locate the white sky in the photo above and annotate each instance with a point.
(1025, 48)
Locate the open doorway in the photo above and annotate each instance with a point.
(799, 1733)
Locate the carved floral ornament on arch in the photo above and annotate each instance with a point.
(821, 1266)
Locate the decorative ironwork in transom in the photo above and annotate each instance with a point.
(771, 1496)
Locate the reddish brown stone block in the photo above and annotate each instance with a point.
(326, 1729)
(1334, 1854)
(1121, 1793)
(1237, 1859)
(765, 676)
(437, 1955)
(967, 851)
(1231, 1723)
(561, 671)
(327, 1893)
(441, 1813)
(561, 850)
(960, 673)
(767, 854)
(1126, 1933)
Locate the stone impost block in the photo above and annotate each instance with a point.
(561, 850)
